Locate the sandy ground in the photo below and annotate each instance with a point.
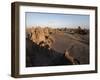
(79, 45)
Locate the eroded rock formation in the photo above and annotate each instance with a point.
(40, 36)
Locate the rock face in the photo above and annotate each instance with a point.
(39, 51)
(48, 46)
(40, 36)
(42, 56)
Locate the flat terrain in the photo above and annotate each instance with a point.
(78, 45)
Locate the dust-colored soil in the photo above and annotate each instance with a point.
(79, 45)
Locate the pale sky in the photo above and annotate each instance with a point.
(56, 20)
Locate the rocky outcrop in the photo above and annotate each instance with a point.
(45, 46)
(40, 36)
(42, 56)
